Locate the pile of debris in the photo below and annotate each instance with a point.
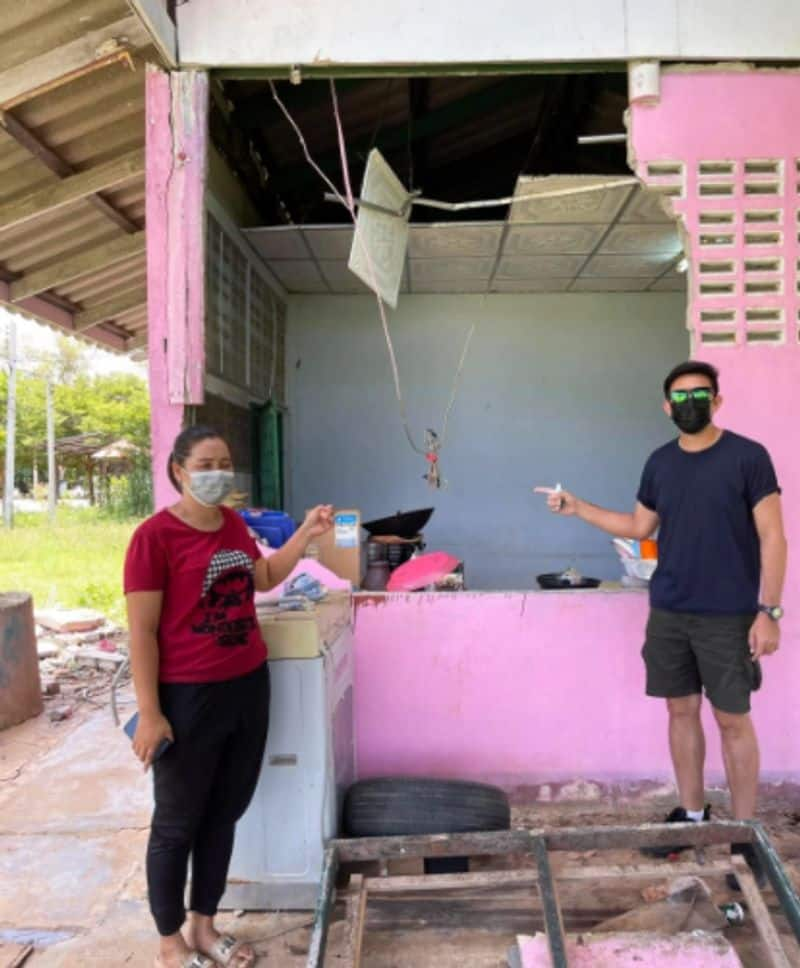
(80, 651)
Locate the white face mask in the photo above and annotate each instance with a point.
(210, 488)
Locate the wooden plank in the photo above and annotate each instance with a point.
(319, 933)
(642, 871)
(160, 27)
(110, 308)
(73, 188)
(95, 47)
(761, 916)
(28, 140)
(528, 876)
(553, 922)
(435, 845)
(566, 838)
(356, 904)
(185, 255)
(448, 882)
(83, 264)
(648, 835)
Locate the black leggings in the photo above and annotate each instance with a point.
(202, 786)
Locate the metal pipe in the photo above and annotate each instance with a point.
(325, 901)
(778, 878)
(491, 202)
(602, 139)
(553, 924)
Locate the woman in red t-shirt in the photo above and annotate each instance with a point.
(202, 684)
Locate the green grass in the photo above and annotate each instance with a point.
(76, 564)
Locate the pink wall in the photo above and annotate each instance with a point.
(738, 117)
(527, 688)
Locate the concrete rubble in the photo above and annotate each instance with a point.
(79, 651)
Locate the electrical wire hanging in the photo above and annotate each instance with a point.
(434, 442)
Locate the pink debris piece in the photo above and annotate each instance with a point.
(700, 949)
(421, 572)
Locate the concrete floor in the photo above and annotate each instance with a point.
(74, 809)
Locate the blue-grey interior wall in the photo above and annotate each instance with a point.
(555, 388)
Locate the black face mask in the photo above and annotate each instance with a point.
(692, 416)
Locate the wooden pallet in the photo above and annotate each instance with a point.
(538, 845)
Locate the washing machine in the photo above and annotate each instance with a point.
(309, 761)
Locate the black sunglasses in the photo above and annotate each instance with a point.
(696, 393)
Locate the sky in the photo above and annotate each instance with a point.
(34, 340)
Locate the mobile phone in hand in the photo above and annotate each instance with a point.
(130, 729)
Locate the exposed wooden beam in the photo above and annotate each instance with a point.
(110, 308)
(95, 49)
(467, 109)
(160, 26)
(138, 341)
(54, 311)
(91, 260)
(28, 140)
(31, 143)
(72, 188)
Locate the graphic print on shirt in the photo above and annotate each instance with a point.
(228, 587)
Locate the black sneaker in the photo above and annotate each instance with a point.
(747, 851)
(678, 815)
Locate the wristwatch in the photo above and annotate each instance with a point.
(775, 612)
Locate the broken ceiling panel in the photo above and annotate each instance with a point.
(617, 239)
(596, 206)
(441, 241)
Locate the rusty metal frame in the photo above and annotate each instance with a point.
(537, 844)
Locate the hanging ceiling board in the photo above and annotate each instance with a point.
(378, 253)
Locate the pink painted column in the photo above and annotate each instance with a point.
(176, 159)
(726, 146)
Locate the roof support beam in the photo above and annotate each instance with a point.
(83, 264)
(110, 308)
(72, 189)
(160, 26)
(95, 49)
(55, 315)
(28, 140)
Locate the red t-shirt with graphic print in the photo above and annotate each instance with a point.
(208, 630)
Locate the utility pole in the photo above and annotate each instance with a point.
(11, 423)
(52, 483)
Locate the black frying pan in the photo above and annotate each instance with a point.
(553, 581)
(406, 524)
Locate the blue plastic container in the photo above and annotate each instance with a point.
(274, 527)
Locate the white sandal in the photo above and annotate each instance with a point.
(227, 948)
(193, 960)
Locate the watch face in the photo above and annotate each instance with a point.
(776, 612)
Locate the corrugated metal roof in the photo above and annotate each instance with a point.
(70, 125)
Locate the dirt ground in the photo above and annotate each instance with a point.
(74, 809)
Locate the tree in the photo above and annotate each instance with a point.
(114, 405)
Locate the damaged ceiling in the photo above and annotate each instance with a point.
(617, 239)
(455, 139)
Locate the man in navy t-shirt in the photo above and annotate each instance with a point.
(715, 595)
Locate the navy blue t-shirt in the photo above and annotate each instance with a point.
(708, 549)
